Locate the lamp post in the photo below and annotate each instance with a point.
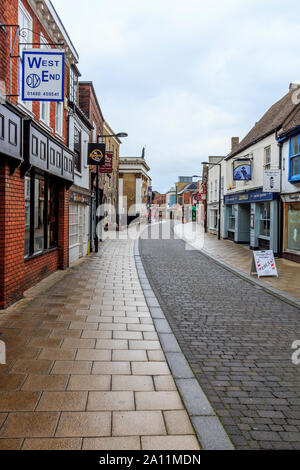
(220, 176)
(119, 135)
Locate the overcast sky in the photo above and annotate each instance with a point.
(183, 77)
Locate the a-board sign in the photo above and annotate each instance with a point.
(263, 263)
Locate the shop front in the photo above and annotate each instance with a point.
(291, 226)
(36, 171)
(252, 218)
(79, 223)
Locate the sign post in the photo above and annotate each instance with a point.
(96, 156)
(43, 75)
(263, 264)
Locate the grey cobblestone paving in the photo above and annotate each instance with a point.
(237, 339)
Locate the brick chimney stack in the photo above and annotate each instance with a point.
(234, 143)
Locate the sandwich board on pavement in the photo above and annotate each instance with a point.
(263, 263)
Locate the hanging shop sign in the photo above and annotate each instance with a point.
(43, 75)
(96, 154)
(107, 167)
(263, 264)
(242, 170)
(271, 181)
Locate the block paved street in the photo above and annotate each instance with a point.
(237, 338)
(85, 369)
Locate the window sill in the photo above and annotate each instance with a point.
(45, 126)
(294, 179)
(40, 253)
(60, 137)
(25, 109)
(293, 252)
(263, 237)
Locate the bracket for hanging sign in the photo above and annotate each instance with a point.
(21, 32)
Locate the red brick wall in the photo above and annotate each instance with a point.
(9, 15)
(16, 273)
(12, 237)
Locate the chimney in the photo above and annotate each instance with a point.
(294, 85)
(234, 143)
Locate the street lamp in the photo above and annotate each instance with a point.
(118, 135)
(219, 214)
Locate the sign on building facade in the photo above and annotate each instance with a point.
(107, 167)
(242, 170)
(271, 181)
(96, 154)
(43, 75)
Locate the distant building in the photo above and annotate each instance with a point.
(134, 182)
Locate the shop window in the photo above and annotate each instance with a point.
(293, 227)
(77, 149)
(294, 165)
(27, 215)
(73, 224)
(52, 225)
(267, 158)
(265, 219)
(41, 208)
(231, 218)
(214, 219)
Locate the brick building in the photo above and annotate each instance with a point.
(36, 165)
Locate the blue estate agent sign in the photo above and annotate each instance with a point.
(43, 75)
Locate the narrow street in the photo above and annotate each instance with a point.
(237, 338)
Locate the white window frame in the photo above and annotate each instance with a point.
(28, 39)
(59, 118)
(44, 104)
(267, 164)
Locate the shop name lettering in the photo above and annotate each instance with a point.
(46, 75)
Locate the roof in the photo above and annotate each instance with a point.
(270, 122)
(292, 122)
(189, 187)
(91, 85)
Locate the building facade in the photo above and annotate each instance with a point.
(36, 166)
(79, 129)
(111, 181)
(289, 145)
(134, 182)
(89, 103)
